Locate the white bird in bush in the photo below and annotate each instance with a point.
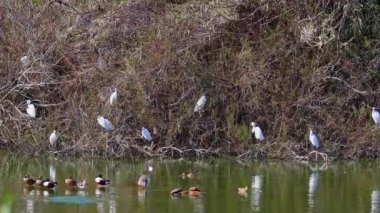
(150, 168)
(105, 123)
(200, 103)
(375, 116)
(257, 131)
(146, 134)
(53, 138)
(113, 97)
(314, 139)
(25, 61)
(30, 109)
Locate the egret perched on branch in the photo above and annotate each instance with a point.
(25, 61)
(314, 139)
(200, 103)
(30, 109)
(150, 168)
(146, 134)
(53, 138)
(376, 116)
(105, 123)
(257, 131)
(113, 97)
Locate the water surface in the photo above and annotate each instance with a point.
(273, 186)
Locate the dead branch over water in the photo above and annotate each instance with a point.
(285, 65)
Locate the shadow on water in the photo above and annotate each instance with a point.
(271, 186)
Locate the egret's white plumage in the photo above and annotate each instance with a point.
(105, 123)
(376, 116)
(30, 109)
(25, 61)
(146, 134)
(53, 138)
(200, 103)
(314, 139)
(257, 131)
(150, 168)
(113, 97)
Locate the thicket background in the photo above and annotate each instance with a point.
(287, 65)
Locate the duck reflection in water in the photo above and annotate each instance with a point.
(29, 207)
(100, 191)
(256, 186)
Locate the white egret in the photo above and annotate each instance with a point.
(25, 61)
(313, 139)
(150, 168)
(200, 103)
(257, 131)
(53, 138)
(113, 97)
(376, 116)
(30, 109)
(146, 134)
(105, 123)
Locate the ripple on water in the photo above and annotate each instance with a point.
(71, 200)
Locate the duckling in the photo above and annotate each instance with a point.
(143, 181)
(195, 191)
(82, 185)
(28, 181)
(49, 184)
(39, 181)
(102, 181)
(243, 191)
(70, 182)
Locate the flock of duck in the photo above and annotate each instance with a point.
(101, 183)
(69, 182)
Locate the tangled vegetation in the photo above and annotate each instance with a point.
(287, 65)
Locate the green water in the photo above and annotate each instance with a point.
(272, 186)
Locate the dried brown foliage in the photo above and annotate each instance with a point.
(284, 64)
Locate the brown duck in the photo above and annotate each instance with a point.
(39, 181)
(70, 182)
(195, 191)
(28, 181)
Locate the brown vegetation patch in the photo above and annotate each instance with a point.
(285, 65)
